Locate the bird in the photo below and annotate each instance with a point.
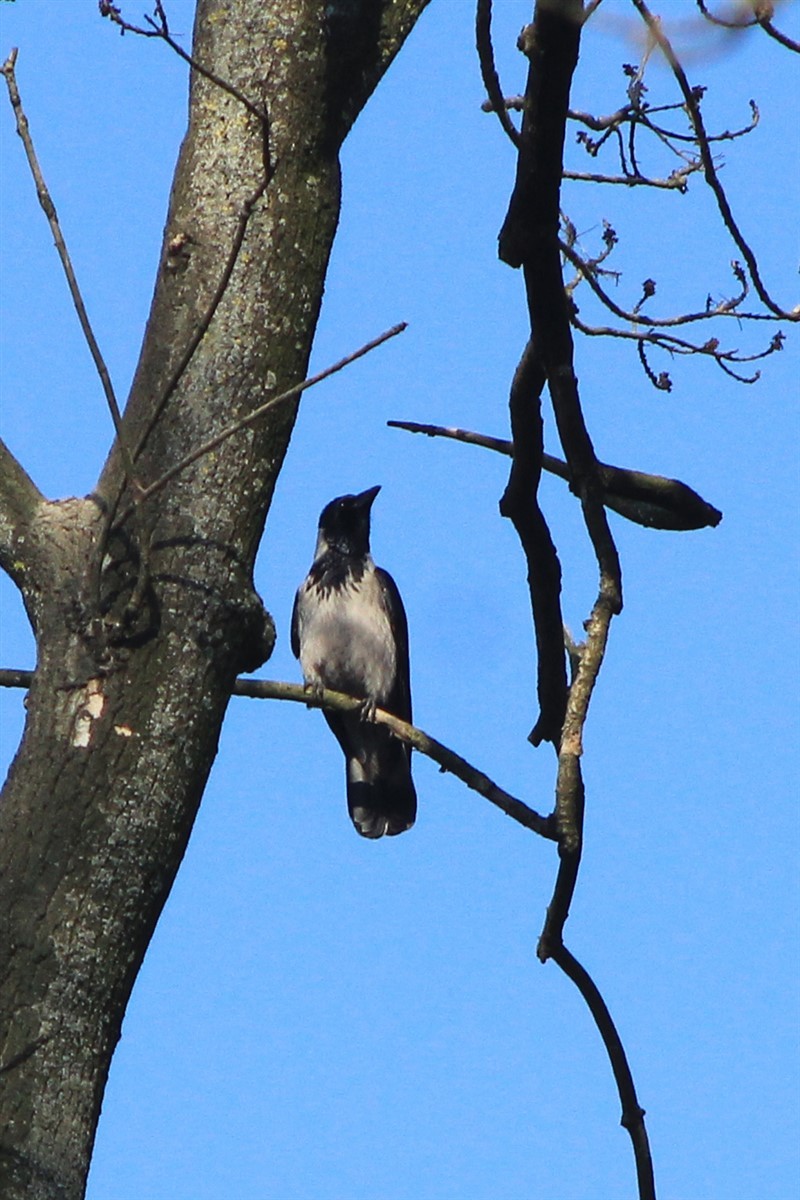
(350, 633)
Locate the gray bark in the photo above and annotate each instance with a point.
(124, 715)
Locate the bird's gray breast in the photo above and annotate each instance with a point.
(346, 637)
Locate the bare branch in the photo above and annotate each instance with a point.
(674, 182)
(653, 501)
(679, 346)
(656, 30)
(160, 29)
(725, 308)
(46, 202)
(520, 504)
(761, 15)
(739, 20)
(770, 29)
(19, 501)
(632, 1112)
(483, 40)
(448, 760)
(258, 413)
(247, 210)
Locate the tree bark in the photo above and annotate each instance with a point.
(125, 709)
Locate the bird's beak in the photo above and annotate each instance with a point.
(365, 499)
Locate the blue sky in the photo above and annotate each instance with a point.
(321, 1016)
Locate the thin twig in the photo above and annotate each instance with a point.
(764, 19)
(160, 29)
(768, 27)
(737, 22)
(248, 207)
(258, 413)
(725, 308)
(49, 209)
(675, 182)
(656, 30)
(679, 346)
(448, 760)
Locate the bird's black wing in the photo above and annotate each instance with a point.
(295, 629)
(399, 701)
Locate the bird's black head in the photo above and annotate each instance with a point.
(344, 524)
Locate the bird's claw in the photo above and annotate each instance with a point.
(367, 710)
(314, 692)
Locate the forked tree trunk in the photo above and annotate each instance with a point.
(124, 713)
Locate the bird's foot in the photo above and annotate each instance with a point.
(314, 692)
(367, 710)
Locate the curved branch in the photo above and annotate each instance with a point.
(770, 29)
(491, 81)
(725, 308)
(742, 22)
(632, 1112)
(520, 504)
(736, 22)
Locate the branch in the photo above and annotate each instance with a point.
(160, 29)
(675, 345)
(632, 1112)
(46, 202)
(674, 182)
(19, 501)
(656, 30)
(483, 41)
(529, 238)
(521, 505)
(448, 760)
(248, 208)
(725, 308)
(258, 413)
(653, 501)
(736, 22)
(761, 15)
(768, 27)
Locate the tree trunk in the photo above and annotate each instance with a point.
(125, 710)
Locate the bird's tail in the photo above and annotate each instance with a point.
(381, 798)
